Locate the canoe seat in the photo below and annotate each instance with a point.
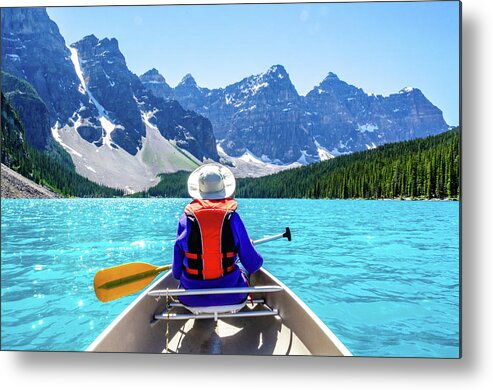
(214, 312)
(216, 309)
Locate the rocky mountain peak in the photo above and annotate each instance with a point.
(276, 74)
(331, 77)
(156, 83)
(187, 81)
(274, 85)
(152, 73)
(109, 42)
(188, 91)
(34, 50)
(333, 85)
(277, 71)
(91, 40)
(27, 21)
(105, 47)
(153, 76)
(331, 80)
(410, 90)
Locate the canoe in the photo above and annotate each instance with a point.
(277, 322)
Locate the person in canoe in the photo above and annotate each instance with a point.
(212, 248)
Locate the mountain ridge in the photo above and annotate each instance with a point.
(105, 116)
(333, 118)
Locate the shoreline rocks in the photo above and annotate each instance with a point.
(16, 186)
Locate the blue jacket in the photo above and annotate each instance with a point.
(250, 259)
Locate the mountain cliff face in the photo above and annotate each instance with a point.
(94, 105)
(265, 116)
(346, 119)
(122, 98)
(31, 109)
(34, 50)
(105, 78)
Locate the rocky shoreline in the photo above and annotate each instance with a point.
(14, 185)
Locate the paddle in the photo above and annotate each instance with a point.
(122, 280)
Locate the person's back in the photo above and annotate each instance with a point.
(212, 242)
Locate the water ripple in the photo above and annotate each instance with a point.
(384, 276)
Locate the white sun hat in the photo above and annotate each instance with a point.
(211, 181)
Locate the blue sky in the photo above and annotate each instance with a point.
(380, 47)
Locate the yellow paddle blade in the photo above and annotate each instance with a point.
(122, 280)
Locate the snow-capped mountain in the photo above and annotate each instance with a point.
(127, 107)
(345, 119)
(264, 116)
(267, 118)
(34, 50)
(116, 131)
(122, 130)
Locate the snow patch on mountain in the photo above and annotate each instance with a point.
(112, 83)
(108, 128)
(146, 116)
(406, 90)
(368, 127)
(302, 160)
(323, 153)
(257, 87)
(107, 125)
(339, 149)
(78, 122)
(74, 57)
(250, 157)
(249, 165)
(55, 131)
(14, 57)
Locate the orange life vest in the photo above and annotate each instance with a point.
(211, 251)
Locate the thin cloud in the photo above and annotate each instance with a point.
(138, 20)
(305, 15)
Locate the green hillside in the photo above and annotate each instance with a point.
(39, 166)
(172, 185)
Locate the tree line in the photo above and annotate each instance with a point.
(427, 168)
(172, 185)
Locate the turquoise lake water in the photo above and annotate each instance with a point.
(383, 275)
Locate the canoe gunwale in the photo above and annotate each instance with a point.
(313, 317)
(107, 331)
